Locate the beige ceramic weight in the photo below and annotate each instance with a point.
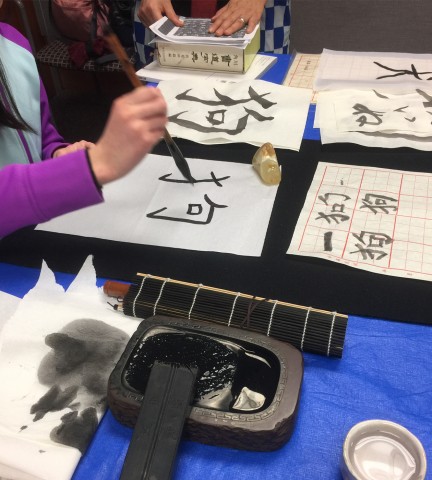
(265, 163)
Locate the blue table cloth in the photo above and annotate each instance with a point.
(385, 373)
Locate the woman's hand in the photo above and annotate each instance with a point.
(136, 123)
(73, 147)
(235, 15)
(152, 10)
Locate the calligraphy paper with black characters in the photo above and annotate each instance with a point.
(377, 118)
(227, 209)
(57, 351)
(252, 112)
(338, 69)
(370, 218)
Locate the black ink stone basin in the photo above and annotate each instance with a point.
(247, 387)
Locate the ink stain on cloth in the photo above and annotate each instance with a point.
(76, 370)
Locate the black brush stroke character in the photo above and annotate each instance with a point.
(193, 209)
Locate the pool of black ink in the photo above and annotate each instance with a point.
(225, 366)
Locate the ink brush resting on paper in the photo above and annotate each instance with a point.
(118, 50)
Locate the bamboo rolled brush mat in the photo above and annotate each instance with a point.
(309, 329)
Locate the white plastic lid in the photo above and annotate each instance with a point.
(382, 450)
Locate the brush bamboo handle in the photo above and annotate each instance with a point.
(128, 68)
(117, 48)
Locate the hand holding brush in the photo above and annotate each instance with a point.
(119, 51)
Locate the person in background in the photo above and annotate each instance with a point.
(41, 176)
(273, 16)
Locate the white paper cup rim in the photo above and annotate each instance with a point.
(382, 450)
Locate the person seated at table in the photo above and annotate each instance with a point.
(41, 176)
(227, 17)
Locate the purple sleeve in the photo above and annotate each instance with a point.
(51, 139)
(35, 193)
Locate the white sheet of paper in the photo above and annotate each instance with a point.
(28, 371)
(165, 29)
(376, 118)
(253, 112)
(338, 69)
(302, 71)
(369, 218)
(367, 112)
(153, 72)
(229, 215)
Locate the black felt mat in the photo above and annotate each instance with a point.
(275, 275)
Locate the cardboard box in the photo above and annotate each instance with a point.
(224, 58)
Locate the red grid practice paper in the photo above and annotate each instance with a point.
(370, 218)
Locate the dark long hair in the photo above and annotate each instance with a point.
(9, 113)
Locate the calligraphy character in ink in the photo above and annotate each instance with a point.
(337, 212)
(398, 72)
(192, 214)
(224, 111)
(379, 203)
(371, 244)
(371, 116)
(366, 115)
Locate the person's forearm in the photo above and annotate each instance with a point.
(32, 194)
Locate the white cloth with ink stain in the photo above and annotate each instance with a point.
(26, 450)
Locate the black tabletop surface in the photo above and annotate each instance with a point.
(276, 275)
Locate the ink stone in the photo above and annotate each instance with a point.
(230, 377)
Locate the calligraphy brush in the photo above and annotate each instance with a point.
(117, 48)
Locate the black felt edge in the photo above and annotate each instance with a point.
(276, 275)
